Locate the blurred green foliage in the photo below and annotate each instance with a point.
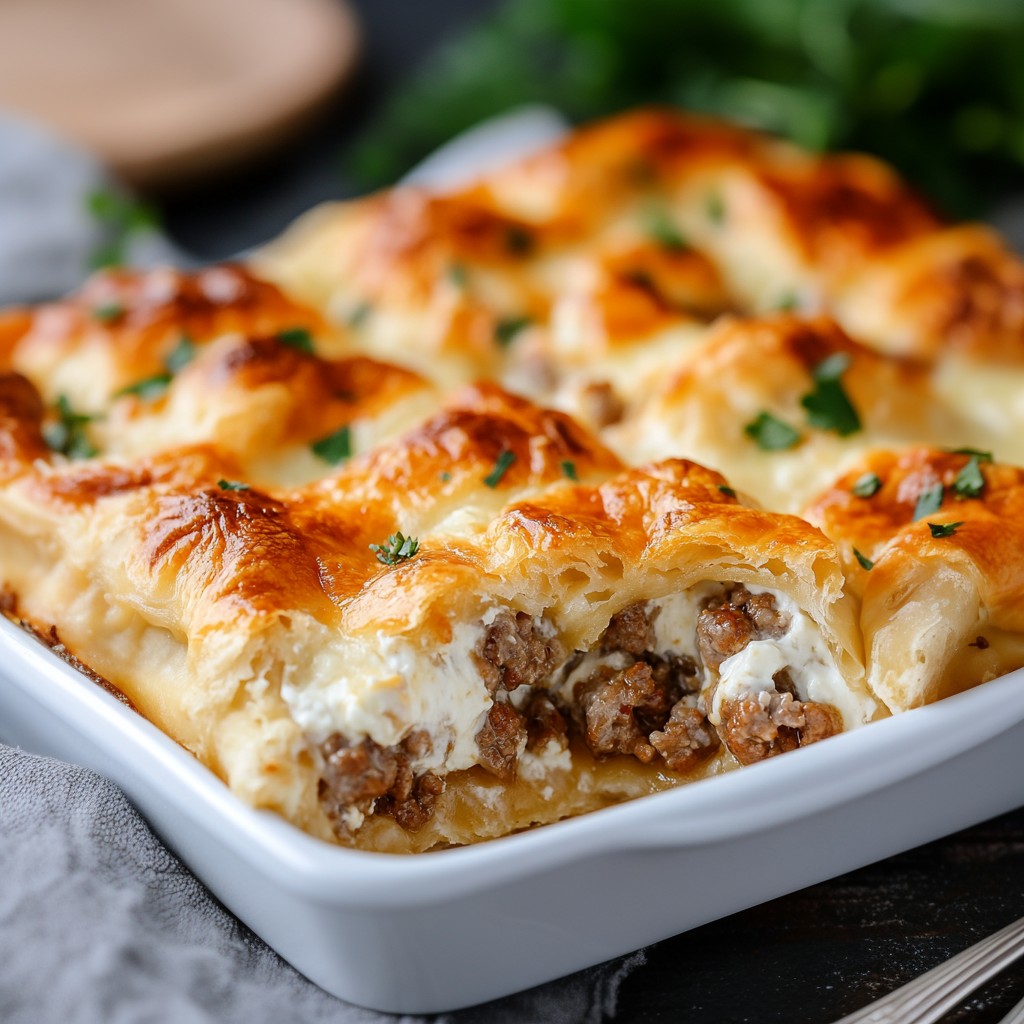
(934, 86)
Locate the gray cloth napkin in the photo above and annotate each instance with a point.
(99, 922)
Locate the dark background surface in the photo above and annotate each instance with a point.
(810, 957)
(251, 207)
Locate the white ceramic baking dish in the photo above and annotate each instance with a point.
(439, 931)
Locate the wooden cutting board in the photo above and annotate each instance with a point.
(168, 90)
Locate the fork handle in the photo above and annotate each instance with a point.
(1016, 1015)
(925, 999)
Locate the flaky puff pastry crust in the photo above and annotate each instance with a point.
(579, 274)
(156, 360)
(628, 225)
(940, 613)
(219, 611)
(745, 367)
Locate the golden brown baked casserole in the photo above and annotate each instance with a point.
(457, 514)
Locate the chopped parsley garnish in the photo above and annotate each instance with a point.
(298, 338)
(359, 314)
(944, 529)
(336, 447)
(661, 229)
(181, 355)
(457, 275)
(69, 435)
(771, 434)
(980, 453)
(501, 467)
(446, 476)
(121, 218)
(156, 384)
(928, 501)
(232, 485)
(147, 388)
(108, 312)
(787, 302)
(969, 482)
(508, 327)
(569, 469)
(866, 485)
(865, 563)
(727, 491)
(714, 207)
(518, 240)
(397, 549)
(828, 406)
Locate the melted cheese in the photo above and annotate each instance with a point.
(399, 687)
(801, 651)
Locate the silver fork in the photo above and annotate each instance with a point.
(1016, 1015)
(925, 999)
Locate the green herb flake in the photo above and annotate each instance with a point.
(969, 482)
(501, 467)
(771, 434)
(105, 256)
(69, 435)
(787, 302)
(232, 485)
(336, 447)
(865, 563)
(660, 227)
(148, 388)
(714, 207)
(359, 315)
(506, 329)
(944, 529)
(120, 217)
(979, 453)
(458, 275)
(397, 549)
(518, 240)
(108, 312)
(928, 501)
(866, 485)
(828, 406)
(727, 491)
(446, 477)
(298, 338)
(118, 210)
(569, 470)
(181, 355)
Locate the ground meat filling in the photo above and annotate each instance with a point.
(611, 704)
(500, 739)
(630, 630)
(368, 778)
(686, 740)
(517, 650)
(646, 708)
(601, 405)
(638, 702)
(545, 725)
(778, 721)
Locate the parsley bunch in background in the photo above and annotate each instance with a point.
(934, 86)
